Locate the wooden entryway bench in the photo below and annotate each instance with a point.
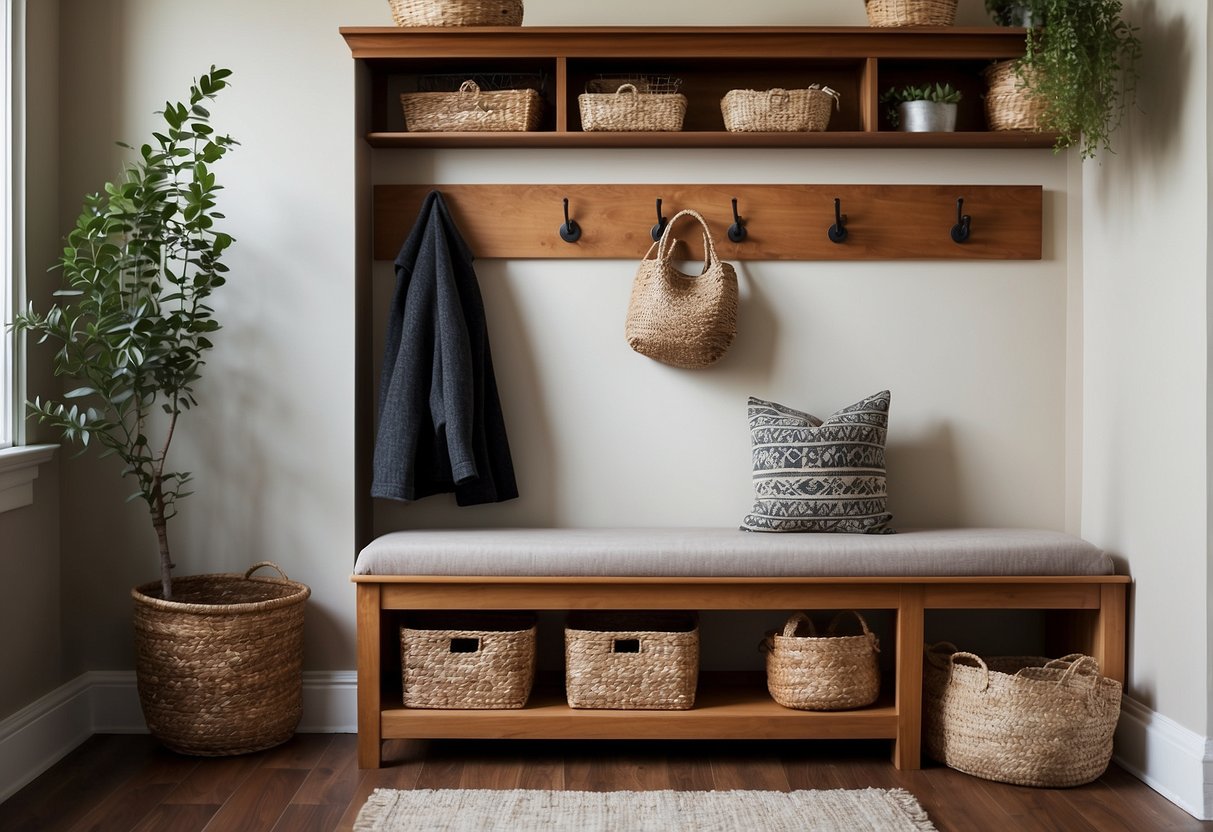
(718, 569)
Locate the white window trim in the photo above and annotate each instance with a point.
(18, 470)
(12, 374)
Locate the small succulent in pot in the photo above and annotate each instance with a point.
(922, 108)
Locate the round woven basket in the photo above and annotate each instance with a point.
(1008, 105)
(456, 12)
(778, 110)
(220, 666)
(830, 673)
(911, 12)
(1020, 719)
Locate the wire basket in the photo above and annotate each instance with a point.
(472, 109)
(631, 661)
(911, 12)
(456, 12)
(627, 109)
(779, 110)
(467, 660)
(643, 82)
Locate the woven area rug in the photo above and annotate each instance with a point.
(485, 810)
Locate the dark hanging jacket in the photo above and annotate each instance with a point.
(440, 423)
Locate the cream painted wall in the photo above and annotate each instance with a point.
(975, 353)
(1145, 441)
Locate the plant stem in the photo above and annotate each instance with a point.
(158, 520)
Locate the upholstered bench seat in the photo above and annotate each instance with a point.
(700, 552)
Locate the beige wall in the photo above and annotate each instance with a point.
(976, 354)
(1145, 443)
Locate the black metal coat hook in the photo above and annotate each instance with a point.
(737, 231)
(838, 231)
(570, 232)
(960, 231)
(662, 222)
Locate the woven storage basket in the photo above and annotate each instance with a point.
(631, 661)
(456, 12)
(468, 660)
(628, 110)
(472, 109)
(830, 673)
(911, 12)
(220, 667)
(1018, 719)
(1008, 105)
(778, 110)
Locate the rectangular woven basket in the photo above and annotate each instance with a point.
(472, 109)
(911, 12)
(456, 12)
(629, 110)
(467, 660)
(778, 110)
(631, 660)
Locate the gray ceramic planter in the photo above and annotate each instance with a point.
(927, 117)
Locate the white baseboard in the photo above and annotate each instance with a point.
(1172, 760)
(107, 702)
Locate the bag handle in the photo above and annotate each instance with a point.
(248, 573)
(664, 248)
(793, 625)
(872, 640)
(985, 671)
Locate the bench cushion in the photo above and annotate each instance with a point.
(701, 552)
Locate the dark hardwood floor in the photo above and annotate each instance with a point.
(127, 782)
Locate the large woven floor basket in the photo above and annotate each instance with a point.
(631, 660)
(911, 12)
(1023, 720)
(220, 667)
(456, 12)
(829, 673)
(471, 660)
(1008, 105)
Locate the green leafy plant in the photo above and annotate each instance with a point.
(132, 324)
(937, 93)
(1083, 65)
(1013, 12)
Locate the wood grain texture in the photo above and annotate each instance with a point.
(907, 751)
(837, 139)
(370, 682)
(783, 222)
(259, 801)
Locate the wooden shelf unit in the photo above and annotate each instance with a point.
(859, 62)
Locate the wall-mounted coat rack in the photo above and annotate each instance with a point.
(768, 222)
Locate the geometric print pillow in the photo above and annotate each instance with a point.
(815, 476)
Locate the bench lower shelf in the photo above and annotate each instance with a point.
(728, 706)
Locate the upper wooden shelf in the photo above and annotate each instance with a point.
(859, 62)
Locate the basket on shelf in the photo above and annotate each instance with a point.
(467, 659)
(627, 109)
(822, 673)
(456, 12)
(1008, 104)
(778, 110)
(631, 660)
(911, 12)
(1020, 719)
(472, 109)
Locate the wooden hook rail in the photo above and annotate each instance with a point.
(780, 222)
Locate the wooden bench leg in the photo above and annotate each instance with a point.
(907, 751)
(370, 745)
(1110, 633)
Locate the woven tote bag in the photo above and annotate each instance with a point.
(679, 319)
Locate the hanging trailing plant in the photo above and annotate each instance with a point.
(1082, 63)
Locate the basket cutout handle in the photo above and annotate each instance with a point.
(792, 627)
(248, 573)
(465, 645)
(778, 97)
(862, 623)
(626, 645)
(665, 247)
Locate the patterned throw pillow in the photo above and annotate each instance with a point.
(815, 476)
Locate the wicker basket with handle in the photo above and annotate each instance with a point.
(829, 673)
(911, 12)
(631, 660)
(1020, 719)
(456, 12)
(778, 110)
(220, 666)
(629, 110)
(1008, 104)
(472, 109)
(473, 660)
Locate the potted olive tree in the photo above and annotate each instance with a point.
(1078, 74)
(926, 108)
(218, 656)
